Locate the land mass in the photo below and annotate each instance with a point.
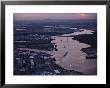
(28, 62)
(90, 39)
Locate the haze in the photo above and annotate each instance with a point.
(41, 16)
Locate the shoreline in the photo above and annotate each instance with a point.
(52, 64)
(47, 65)
(92, 41)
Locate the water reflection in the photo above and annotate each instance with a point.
(70, 56)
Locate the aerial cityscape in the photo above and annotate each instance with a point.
(55, 44)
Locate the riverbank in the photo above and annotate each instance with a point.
(28, 62)
(70, 56)
(90, 39)
(68, 59)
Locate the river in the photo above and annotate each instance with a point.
(70, 56)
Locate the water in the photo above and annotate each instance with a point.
(70, 56)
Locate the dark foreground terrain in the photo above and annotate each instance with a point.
(28, 62)
(90, 39)
(37, 35)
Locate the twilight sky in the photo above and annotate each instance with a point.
(41, 16)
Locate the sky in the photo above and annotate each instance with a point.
(43, 16)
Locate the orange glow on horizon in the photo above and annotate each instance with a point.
(82, 14)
